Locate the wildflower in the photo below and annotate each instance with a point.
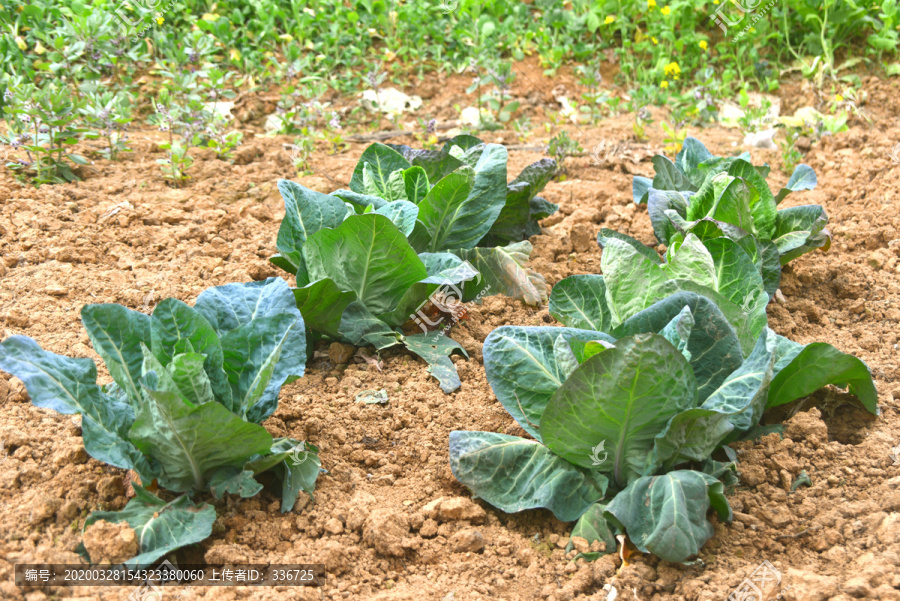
(665, 10)
(651, 4)
(335, 122)
(160, 20)
(672, 70)
(609, 19)
(664, 84)
(431, 126)
(703, 44)
(654, 40)
(838, 98)
(8, 95)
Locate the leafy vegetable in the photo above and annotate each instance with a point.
(626, 418)
(416, 227)
(720, 322)
(713, 196)
(190, 388)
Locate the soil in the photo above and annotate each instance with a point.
(389, 520)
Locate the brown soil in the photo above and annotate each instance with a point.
(123, 236)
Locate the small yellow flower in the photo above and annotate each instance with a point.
(609, 19)
(665, 10)
(160, 20)
(672, 69)
(838, 98)
(664, 84)
(654, 40)
(651, 4)
(703, 44)
(715, 1)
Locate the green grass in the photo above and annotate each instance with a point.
(668, 52)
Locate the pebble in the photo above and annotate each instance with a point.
(334, 526)
(467, 540)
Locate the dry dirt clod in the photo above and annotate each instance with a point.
(341, 354)
(385, 529)
(110, 543)
(333, 526)
(583, 237)
(460, 508)
(467, 540)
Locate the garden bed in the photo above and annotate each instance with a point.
(123, 236)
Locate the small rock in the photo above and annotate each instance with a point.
(54, 290)
(341, 354)
(110, 543)
(431, 507)
(467, 540)
(334, 526)
(580, 544)
(460, 508)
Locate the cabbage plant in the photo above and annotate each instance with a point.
(712, 196)
(624, 420)
(635, 280)
(190, 388)
(415, 227)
